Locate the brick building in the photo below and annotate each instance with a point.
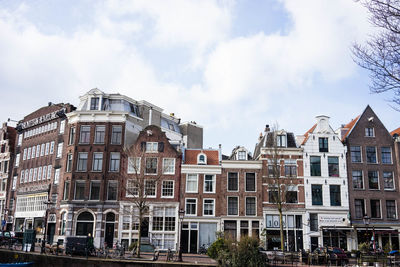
(7, 182)
(38, 168)
(201, 196)
(373, 180)
(278, 148)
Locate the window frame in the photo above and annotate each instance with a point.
(114, 183)
(165, 167)
(380, 208)
(145, 188)
(393, 181)
(367, 132)
(237, 182)
(245, 182)
(362, 179)
(390, 153)
(116, 135)
(81, 182)
(311, 164)
(359, 153)
(324, 143)
(395, 209)
(131, 166)
(153, 146)
(213, 182)
(369, 182)
(321, 203)
(113, 162)
(87, 134)
(97, 133)
(368, 158)
(213, 209)
(195, 209)
(94, 160)
(255, 205)
(197, 182)
(162, 189)
(331, 192)
(363, 208)
(145, 162)
(78, 165)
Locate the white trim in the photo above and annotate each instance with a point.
(376, 155)
(197, 183)
(227, 182)
(201, 162)
(227, 205)
(245, 206)
(173, 189)
(204, 169)
(232, 164)
(186, 214)
(204, 199)
(214, 183)
(173, 165)
(255, 181)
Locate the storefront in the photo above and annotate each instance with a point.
(293, 232)
(379, 237)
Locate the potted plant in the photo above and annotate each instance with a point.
(364, 247)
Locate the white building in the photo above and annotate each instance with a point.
(326, 189)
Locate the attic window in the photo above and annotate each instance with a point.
(94, 103)
(202, 158)
(281, 140)
(242, 155)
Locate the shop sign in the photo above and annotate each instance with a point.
(41, 119)
(332, 220)
(33, 188)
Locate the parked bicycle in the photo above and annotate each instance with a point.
(118, 251)
(203, 249)
(103, 252)
(172, 255)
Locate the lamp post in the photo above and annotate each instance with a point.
(366, 220)
(181, 215)
(47, 203)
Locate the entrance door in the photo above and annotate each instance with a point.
(314, 243)
(109, 235)
(50, 232)
(185, 240)
(193, 241)
(145, 228)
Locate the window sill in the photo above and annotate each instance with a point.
(358, 189)
(167, 196)
(208, 192)
(190, 192)
(389, 190)
(190, 215)
(372, 189)
(96, 171)
(150, 174)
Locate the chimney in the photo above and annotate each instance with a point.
(260, 137)
(220, 152)
(267, 129)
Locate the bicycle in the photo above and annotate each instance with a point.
(118, 251)
(171, 255)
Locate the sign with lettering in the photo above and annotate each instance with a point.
(41, 119)
(338, 220)
(33, 188)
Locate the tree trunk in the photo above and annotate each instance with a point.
(281, 229)
(140, 235)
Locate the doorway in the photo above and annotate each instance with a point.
(109, 234)
(50, 232)
(145, 228)
(314, 243)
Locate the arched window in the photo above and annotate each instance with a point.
(202, 158)
(84, 224)
(110, 217)
(63, 223)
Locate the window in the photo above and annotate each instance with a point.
(22, 177)
(71, 138)
(14, 183)
(95, 190)
(251, 206)
(334, 191)
(355, 152)
(99, 134)
(30, 175)
(315, 166)
(59, 150)
(84, 224)
(242, 155)
(191, 206)
(233, 181)
(388, 180)
(66, 190)
(29, 153)
(202, 159)
(168, 166)
(39, 173)
(290, 169)
(62, 126)
(316, 192)
(56, 176)
(84, 137)
(82, 161)
(323, 144)
(151, 165)
(52, 147)
(391, 209)
(97, 162)
(314, 222)
(25, 154)
(112, 190)
(49, 168)
(114, 162)
(191, 183)
(47, 149)
(94, 103)
(116, 135)
(44, 173)
(208, 207)
(371, 154)
(151, 147)
(79, 190)
(333, 166)
(244, 228)
(17, 158)
(150, 188)
(63, 223)
(273, 195)
(42, 150)
(233, 206)
(69, 163)
(369, 132)
(167, 189)
(19, 139)
(386, 155)
(250, 182)
(134, 165)
(291, 197)
(281, 140)
(357, 180)
(359, 208)
(373, 180)
(274, 172)
(37, 151)
(132, 188)
(375, 208)
(209, 183)
(33, 152)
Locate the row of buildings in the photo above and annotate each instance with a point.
(79, 171)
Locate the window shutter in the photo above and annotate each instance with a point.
(143, 146)
(160, 147)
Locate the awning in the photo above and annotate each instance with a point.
(338, 228)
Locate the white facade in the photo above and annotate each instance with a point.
(326, 189)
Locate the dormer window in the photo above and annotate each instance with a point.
(242, 155)
(281, 140)
(369, 132)
(94, 103)
(202, 159)
(151, 147)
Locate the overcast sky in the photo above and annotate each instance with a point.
(231, 66)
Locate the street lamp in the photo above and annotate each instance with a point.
(47, 203)
(181, 215)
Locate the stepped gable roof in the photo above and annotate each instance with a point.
(397, 131)
(191, 156)
(307, 134)
(349, 126)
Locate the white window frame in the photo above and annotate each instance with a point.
(380, 208)
(394, 181)
(201, 162)
(108, 188)
(204, 201)
(255, 182)
(33, 152)
(29, 153)
(39, 173)
(391, 157)
(17, 159)
(150, 147)
(21, 181)
(155, 188)
(189, 214)
(19, 140)
(25, 154)
(395, 205)
(90, 189)
(197, 183)
(227, 182)
(227, 206)
(119, 161)
(42, 147)
(14, 183)
(59, 150)
(245, 206)
(62, 127)
(49, 170)
(51, 147)
(132, 163)
(93, 161)
(127, 193)
(165, 167)
(80, 182)
(44, 173)
(162, 189)
(239, 155)
(373, 132)
(47, 149)
(35, 170)
(37, 151)
(214, 183)
(56, 176)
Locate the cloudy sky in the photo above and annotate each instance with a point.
(231, 66)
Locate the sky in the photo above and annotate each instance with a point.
(232, 66)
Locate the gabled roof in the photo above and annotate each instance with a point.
(191, 156)
(308, 133)
(350, 126)
(397, 131)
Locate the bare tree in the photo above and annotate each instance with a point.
(139, 187)
(277, 183)
(381, 53)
